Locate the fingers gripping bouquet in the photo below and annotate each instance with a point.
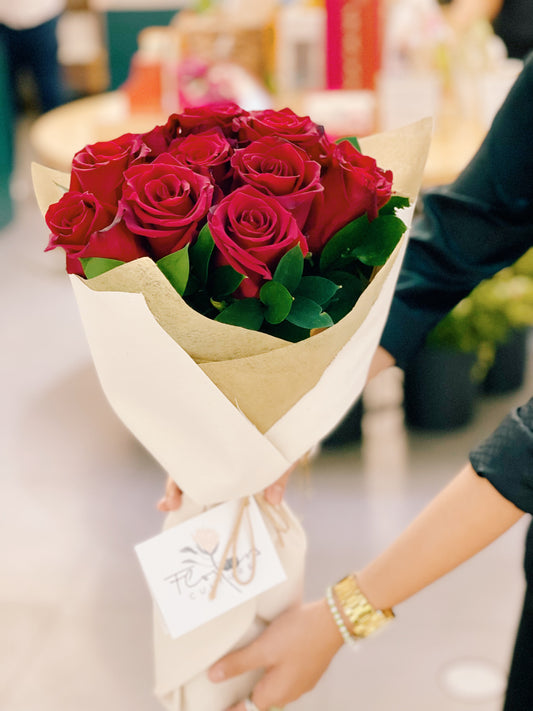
(233, 271)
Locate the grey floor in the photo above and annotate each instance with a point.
(78, 492)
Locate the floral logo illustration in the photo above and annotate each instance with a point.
(199, 566)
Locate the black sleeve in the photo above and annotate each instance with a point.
(470, 229)
(506, 457)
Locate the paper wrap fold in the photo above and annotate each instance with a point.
(225, 410)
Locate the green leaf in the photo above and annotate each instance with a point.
(396, 202)
(224, 281)
(339, 249)
(306, 313)
(351, 139)
(94, 266)
(317, 288)
(193, 284)
(290, 269)
(200, 253)
(286, 331)
(175, 267)
(278, 301)
(379, 240)
(350, 289)
(247, 313)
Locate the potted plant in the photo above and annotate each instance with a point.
(442, 382)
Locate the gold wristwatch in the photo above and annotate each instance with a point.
(361, 618)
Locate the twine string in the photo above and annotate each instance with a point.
(280, 521)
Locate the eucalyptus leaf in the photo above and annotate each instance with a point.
(306, 313)
(247, 313)
(379, 240)
(224, 281)
(175, 267)
(317, 288)
(94, 266)
(200, 253)
(278, 301)
(290, 269)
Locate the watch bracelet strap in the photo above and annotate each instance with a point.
(361, 617)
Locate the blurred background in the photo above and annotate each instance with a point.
(78, 492)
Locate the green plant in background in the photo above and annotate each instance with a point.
(487, 317)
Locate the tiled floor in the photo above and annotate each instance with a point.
(78, 492)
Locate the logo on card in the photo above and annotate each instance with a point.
(209, 564)
(200, 564)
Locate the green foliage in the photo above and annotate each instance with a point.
(304, 293)
(175, 267)
(94, 266)
(290, 269)
(278, 301)
(247, 313)
(200, 254)
(351, 139)
(317, 288)
(224, 281)
(488, 315)
(306, 313)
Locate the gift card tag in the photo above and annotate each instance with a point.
(210, 564)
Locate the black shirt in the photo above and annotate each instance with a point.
(471, 229)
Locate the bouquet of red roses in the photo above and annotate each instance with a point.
(256, 219)
(203, 255)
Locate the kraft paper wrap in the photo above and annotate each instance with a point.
(226, 410)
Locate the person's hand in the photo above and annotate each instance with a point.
(171, 501)
(295, 651)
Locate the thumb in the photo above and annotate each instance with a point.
(275, 492)
(238, 662)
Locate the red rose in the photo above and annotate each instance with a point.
(207, 153)
(203, 118)
(165, 201)
(354, 185)
(159, 138)
(253, 231)
(98, 168)
(299, 130)
(279, 168)
(81, 225)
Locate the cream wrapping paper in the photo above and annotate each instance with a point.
(225, 411)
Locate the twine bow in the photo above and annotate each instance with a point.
(277, 517)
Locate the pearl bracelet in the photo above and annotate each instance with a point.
(347, 637)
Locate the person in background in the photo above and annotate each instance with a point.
(28, 32)
(467, 232)
(512, 20)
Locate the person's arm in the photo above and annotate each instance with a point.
(298, 646)
(468, 230)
